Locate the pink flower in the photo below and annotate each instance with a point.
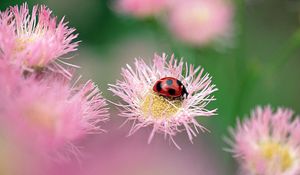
(141, 8)
(36, 40)
(10, 76)
(201, 22)
(268, 143)
(145, 107)
(48, 115)
(112, 154)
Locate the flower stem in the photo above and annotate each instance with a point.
(285, 54)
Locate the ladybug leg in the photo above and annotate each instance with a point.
(186, 95)
(184, 92)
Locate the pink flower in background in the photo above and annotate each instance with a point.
(48, 115)
(201, 22)
(10, 76)
(141, 8)
(16, 161)
(145, 107)
(112, 154)
(36, 40)
(268, 143)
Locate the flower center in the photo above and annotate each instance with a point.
(276, 152)
(22, 42)
(41, 115)
(158, 107)
(202, 15)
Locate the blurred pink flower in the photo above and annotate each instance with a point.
(145, 107)
(48, 115)
(112, 154)
(35, 41)
(10, 76)
(268, 143)
(16, 161)
(201, 22)
(141, 8)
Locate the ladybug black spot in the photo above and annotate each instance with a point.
(169, 82)
(171, 91)
(158, 86)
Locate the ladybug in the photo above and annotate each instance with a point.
(170, 87)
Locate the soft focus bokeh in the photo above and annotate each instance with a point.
(256, 62)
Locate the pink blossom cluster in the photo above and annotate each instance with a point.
(195, 22)
(42, 108)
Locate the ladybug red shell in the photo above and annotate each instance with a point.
(170, 87)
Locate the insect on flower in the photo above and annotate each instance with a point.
(170, 87)
(168, 95)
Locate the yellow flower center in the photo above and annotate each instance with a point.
(42, 116)
(158, 107)
(201, 15)
(273, 151)
(23, 40)
(21, 44)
